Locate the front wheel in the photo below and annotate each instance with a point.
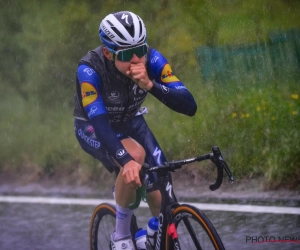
(194, 229)
(103, 224)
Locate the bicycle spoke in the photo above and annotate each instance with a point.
(198, 238)
(106, 227)
(192, 232)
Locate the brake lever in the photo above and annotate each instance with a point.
(217, 157)
(227, 170)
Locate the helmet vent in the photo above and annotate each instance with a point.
(141, 40)
(110, 23)
(130, 30)
(141, 26)
(124, 44)
(118, 33)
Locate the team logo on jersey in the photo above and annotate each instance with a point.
(120, 153)
(113, 95)
(89, 71)
(92, 111)
(154, 59)
(167, 75)
(89, 93)
(164, 89)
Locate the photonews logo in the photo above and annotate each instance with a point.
(256, 239)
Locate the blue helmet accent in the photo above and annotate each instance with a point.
(106, 41)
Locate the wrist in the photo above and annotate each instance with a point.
(149, 85)
(125, 159)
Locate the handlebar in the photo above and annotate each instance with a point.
(215, 157)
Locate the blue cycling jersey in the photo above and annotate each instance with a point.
(159, 70)
(109, 100)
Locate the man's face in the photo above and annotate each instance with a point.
(124, 58)
(125, 66)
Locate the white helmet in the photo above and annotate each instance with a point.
(122, 29)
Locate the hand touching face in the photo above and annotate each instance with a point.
(138, 73)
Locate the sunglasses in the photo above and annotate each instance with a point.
(125, 55)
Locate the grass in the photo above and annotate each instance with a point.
(256, 127)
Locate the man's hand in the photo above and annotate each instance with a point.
(138, 74)
(131, 172)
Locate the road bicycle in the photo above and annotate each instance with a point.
(181, 226)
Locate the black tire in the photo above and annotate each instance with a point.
(194, 229)
(103, 224)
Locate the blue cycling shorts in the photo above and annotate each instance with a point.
(137, 129)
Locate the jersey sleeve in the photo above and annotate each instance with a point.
(161, 71)
(90, 85)
(167, 88)
(93, 104)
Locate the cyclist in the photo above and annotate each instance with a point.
(112, 83)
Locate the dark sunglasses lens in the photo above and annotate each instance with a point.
(141, 51)
(126, 55)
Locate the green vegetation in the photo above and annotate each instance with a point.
(256, 127)
(255, 124)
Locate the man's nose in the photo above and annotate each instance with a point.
(135, 59)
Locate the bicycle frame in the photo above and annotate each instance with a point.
(169, 200)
